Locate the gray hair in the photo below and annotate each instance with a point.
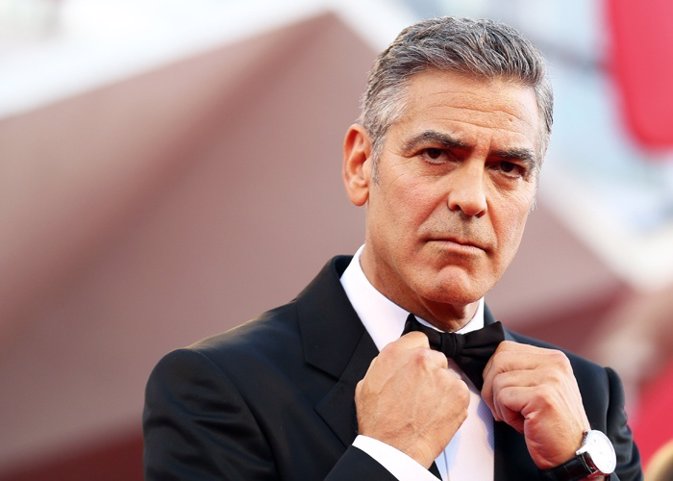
(479, 48)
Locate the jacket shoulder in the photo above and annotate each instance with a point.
(271, 336)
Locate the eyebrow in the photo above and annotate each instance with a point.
(447, 142)
(522, 154)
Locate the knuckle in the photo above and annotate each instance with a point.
(546, 395)
(500, 394)
(422, 358)
(390, 349)
(452, 383)
(498, 378)
(557, 376)
(464, 393)
(458, 389)
(415, 338)
(505, 346)
(421, 355)
(560, 359)
(497, 384)
(439, 358)
(429, 356)
(510, 417)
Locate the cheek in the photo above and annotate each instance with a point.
(517, 205)
(411, 202)
(509, 220)
(511, 231)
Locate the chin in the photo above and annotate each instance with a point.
(457, 298)
(455, 288)
(452, 293)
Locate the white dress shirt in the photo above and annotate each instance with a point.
(469, 455)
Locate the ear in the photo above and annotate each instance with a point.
(356, 169)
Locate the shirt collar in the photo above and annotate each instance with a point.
(383, 319)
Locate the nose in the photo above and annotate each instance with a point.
(467, 192)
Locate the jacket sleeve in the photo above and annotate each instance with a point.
(628, 458)
(198, 427)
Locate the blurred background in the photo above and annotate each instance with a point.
(171, 168)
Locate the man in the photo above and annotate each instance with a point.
(340, 384)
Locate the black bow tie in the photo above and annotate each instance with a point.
(470, 351)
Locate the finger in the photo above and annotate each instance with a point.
(413, 339)
(504, 380)
(509, 405)
(495, 365)
(548, 377)
(432, 360)
(416, 345)
(518, 378)
(512, 356)
(396, 352)
(414, 362)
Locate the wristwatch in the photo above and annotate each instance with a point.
(595, 457)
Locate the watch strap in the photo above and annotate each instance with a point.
(575, 469)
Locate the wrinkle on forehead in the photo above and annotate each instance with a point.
(446, 101)
(482, 111)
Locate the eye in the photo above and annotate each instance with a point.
(434, 155)
(510, 169)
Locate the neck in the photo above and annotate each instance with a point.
(446, 316)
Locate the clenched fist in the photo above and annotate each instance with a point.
(410, 400)
(534, 390)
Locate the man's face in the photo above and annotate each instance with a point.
(455, 181)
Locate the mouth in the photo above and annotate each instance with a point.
(458, 243)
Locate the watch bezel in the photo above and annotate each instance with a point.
(598, 453)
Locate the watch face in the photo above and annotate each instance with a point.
(600, 450)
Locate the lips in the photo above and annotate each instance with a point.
(461, 242)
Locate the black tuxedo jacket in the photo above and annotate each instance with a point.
(273, 400)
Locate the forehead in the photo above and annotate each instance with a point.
(472, 109)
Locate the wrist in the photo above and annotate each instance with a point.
(412, 448)
(415, 451)
(594, 460)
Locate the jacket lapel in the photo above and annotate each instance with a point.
(337, 408)
(512, 461)
(335, 342)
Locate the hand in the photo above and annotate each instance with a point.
(410, 400)
(534, 390)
